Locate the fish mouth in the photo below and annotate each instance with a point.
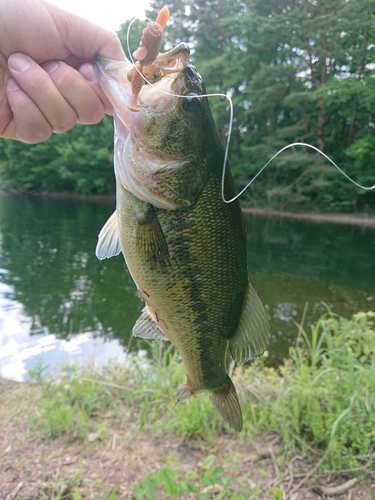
(169, 76)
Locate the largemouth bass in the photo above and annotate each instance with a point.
(184, 247)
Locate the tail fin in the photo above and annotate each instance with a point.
(227, 404)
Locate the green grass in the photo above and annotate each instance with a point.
(59, 488)
(211, 480)
(322, 400)
(324, 395)
(69, 404)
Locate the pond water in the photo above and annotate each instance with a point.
(59, 304)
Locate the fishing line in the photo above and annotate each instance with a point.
(230, 126)
(366, 188)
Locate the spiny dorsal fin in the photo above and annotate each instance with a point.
(146, 328)
(253, 332)
(109, 239)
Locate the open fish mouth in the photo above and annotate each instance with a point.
(159, 80)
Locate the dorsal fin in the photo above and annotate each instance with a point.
(146, 328)
(109, 239)
(253, 332)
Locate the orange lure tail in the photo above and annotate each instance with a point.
(147, 52)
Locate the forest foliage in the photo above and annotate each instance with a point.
(297, 70)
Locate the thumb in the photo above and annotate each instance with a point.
(84, 39)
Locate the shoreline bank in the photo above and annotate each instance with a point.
(357, 219)
(363, 219)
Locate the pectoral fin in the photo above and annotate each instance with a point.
(109, 239)
(146, 328)
(150, 240)
(253, 332)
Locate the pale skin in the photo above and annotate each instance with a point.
(47, 80)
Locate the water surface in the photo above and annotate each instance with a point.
(59, 304)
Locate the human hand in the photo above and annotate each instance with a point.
(47, 81)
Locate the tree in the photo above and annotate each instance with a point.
(296, 70)
(80, 160)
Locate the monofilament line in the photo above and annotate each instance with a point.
(366, 188)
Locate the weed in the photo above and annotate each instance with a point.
(62, 489)
(68, 404)
(36, 373)
(210, 480)
(324, 394)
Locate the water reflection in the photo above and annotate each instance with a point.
(58, 303)
(293, 262)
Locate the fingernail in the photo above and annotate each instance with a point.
(19, 62)
(88, 72)
(12, 84)
(50, 66)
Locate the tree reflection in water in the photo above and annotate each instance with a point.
(48, 257)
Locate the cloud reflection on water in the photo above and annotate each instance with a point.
(20, 352)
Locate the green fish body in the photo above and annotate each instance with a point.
(184, 246)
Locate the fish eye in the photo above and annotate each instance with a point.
(191, 103)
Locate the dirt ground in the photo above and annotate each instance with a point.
(32, 468)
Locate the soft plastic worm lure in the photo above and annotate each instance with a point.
(147, 52)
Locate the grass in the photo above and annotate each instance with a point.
(59, 487)
(210, 480)
(76, 400)
(321, 402)
(324, 395)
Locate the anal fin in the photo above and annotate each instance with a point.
(252, 335)
(146, 328)
(185, 392)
